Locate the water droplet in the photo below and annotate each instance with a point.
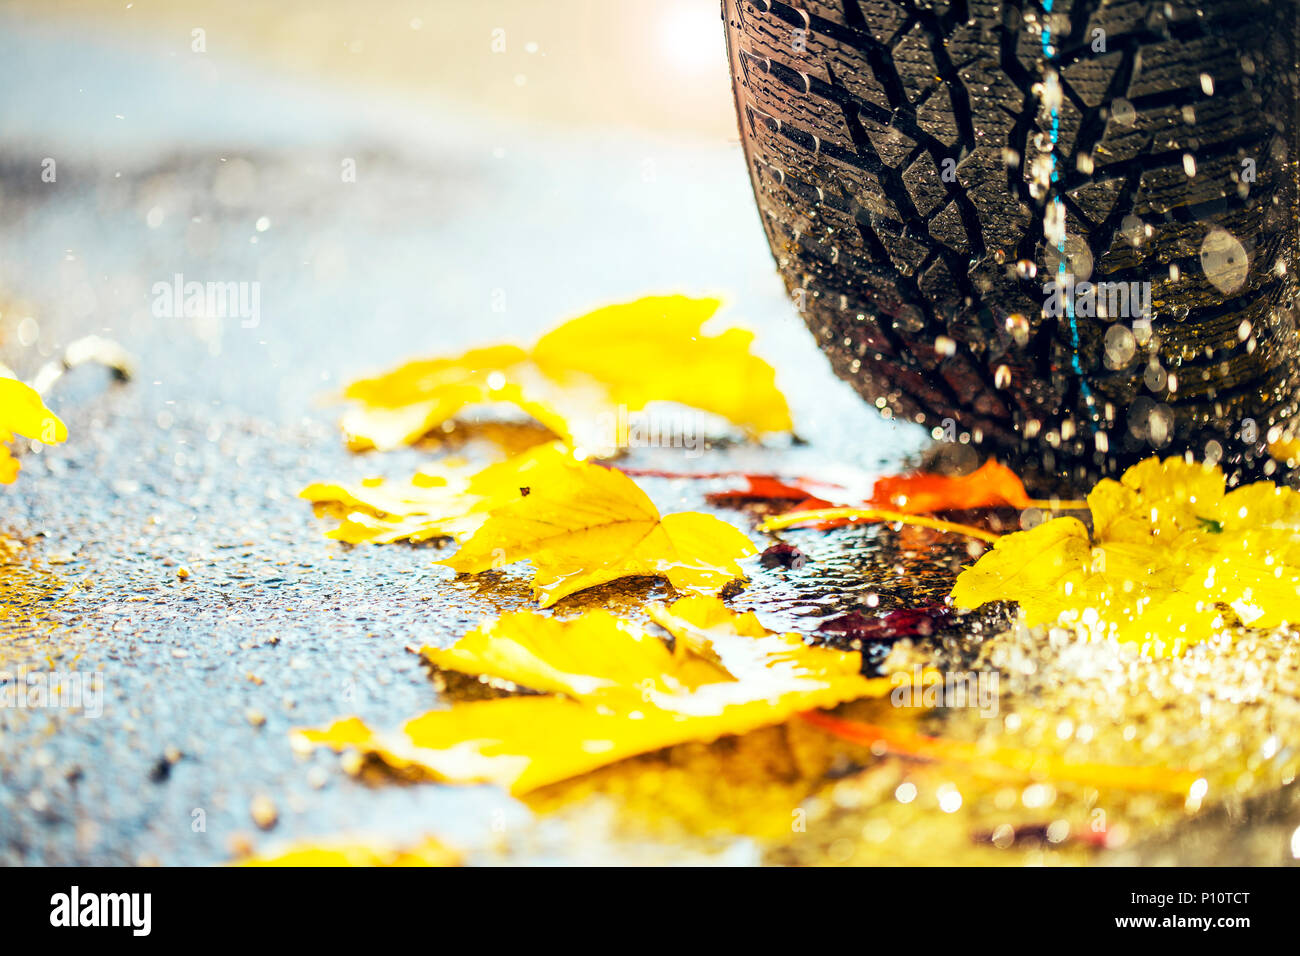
(1018, 326)
(1025, 269)
(949, 798)
(1224, 260)
(29, 330)
(1002, 377)
(1133, 230)
(1120, 346)
(1122, 112)
(1054, 223)
(1155, 377)
(909, 319)
(1077, 259)
(945, 346)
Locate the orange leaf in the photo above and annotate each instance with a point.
(906, 743)
(990, 485)
(765, 488)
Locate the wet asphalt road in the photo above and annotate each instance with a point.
(165, 166)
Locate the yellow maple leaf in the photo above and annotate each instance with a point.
(1173, 559)
(576, 657)
(438, 501)
(23, 413)
(580, 524)
(623, 693)
(581, 379)
(427, 852)
(591, 525)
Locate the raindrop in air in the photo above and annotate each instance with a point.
(1224, 261)
(1120, 347)
(1122, 112)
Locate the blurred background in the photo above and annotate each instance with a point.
(435, 173)
(578, 64)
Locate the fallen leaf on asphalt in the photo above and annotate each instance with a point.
(591, 525)
(1172, 560)
(889, 625)
(772, 488)
(427, 852)
(23, 413)
(613, 691)
(899, 497)
(782, 555)
(580, 524)
(596, 656)
(437, 502)
(990, 485)
(582, 379)
(990, 760)
(832, 517)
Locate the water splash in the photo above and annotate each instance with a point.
(1054, 218)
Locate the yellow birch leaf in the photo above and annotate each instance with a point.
(403, 405)
(383, 511)
(1171, 562)
(623, 695)
(23, 413)
(594, 655)
(1029, 567)
(581, 379)
(593, 525)
(580, 524)
(754, 656)
(347, 732)
(1155, 500)
(427, 852)
(654, 349)
(437, 501)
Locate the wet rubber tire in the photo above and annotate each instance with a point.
(909, 159)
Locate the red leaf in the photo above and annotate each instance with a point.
(770, 488)
(990, 485)
(889, 626)
(782, 555)
(764, 488)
